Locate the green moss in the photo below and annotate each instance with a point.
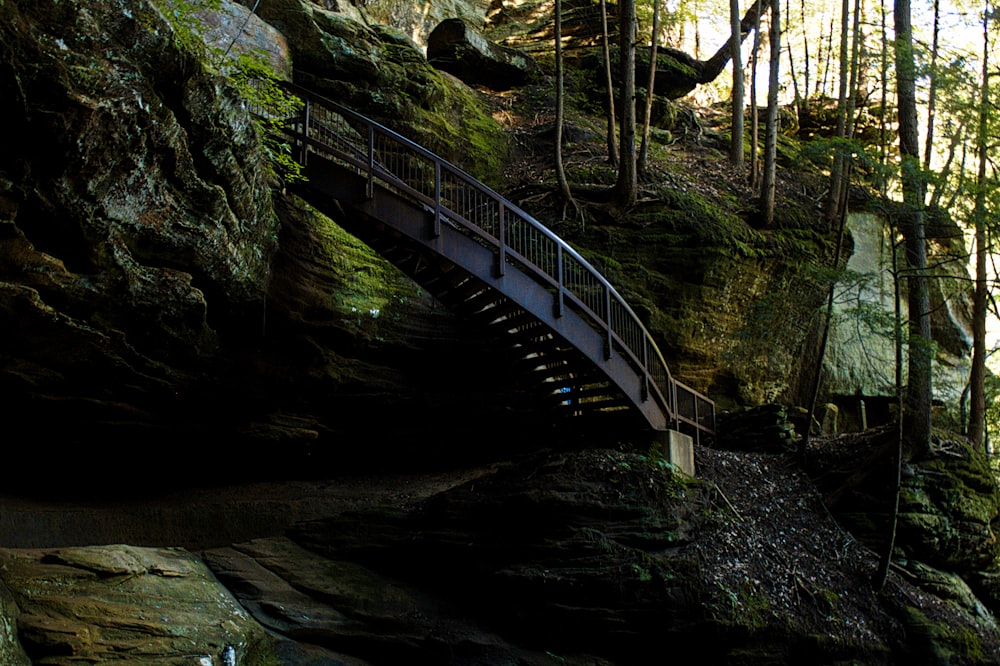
(940, 643)
(365, 289)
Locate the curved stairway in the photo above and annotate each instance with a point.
(568, 330)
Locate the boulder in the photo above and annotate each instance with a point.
(948, 508)
(456, 47)
(96, 605)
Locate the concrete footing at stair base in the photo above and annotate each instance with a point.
(678, 449)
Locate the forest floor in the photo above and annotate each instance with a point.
(775, 535)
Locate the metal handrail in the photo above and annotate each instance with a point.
(454, 197)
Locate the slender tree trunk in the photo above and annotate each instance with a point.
(885, 560)
(945, 172)
(560, 112)
(932, 89)
(797, 96)
(837, 170)
(736, 142)
(852, 96)
(977, 397)
(771, 132)
(960, 186)
(626, 189)
(711, 68)
(650, 90)
(918, 389)
(805, 50)
(829, 55)
(612, 131)
(754, 111)
(883, 181)
(825, 335)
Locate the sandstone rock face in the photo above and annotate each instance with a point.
(949, 511)
(233, 31)
(126, 605)
(381, 72)
(861, 352)
(456, 47)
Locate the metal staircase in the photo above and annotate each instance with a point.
(567, 329)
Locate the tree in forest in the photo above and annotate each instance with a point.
(606, 45)
(736, 142)
(977, 379)
(626, 189)
(754, 115)
(833, 201)
(768, 181)
(917, 411)
(647, 117)
(564, 189)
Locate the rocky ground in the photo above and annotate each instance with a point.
(565, 557)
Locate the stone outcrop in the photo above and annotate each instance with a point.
(456, 47)
(579, 557)
(381, 72)
(123, 605)
(861, 353)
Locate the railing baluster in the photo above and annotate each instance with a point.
(370, 187)
(561, 281)
(503, 241)
(305, 132)
(437, 198)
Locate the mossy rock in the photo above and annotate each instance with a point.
(382, 73)
(947, 509)
(931, 641)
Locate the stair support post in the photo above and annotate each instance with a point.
(560, 304)
(303, 154)
(607, 321)
(437, 198)
(370, 187)
(502, 256)
(645, 368)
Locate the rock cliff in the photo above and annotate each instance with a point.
(172, 317)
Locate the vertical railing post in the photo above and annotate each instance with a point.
(674, 406)
(645, 368)
(607, 321)
(502, 257)
(697, 422)
(561, 278)
(370, 188)
(437, 198)
(305, 133)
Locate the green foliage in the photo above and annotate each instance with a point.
(250, 75)
(183, 17)
(271, 105)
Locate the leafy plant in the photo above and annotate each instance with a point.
(250, 75)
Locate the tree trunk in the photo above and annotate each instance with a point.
(918, 390)
(736, 142)
(885, 559)
(560, 112)
(648, 116)
(829, 54)
(626, 188)
(932, 89)
(711, 68)
(837, 170)
(883, 181)
(797, 96)
(754, 111)
(977, 388)
(612, 131)
(771, 131)
(805, 49)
